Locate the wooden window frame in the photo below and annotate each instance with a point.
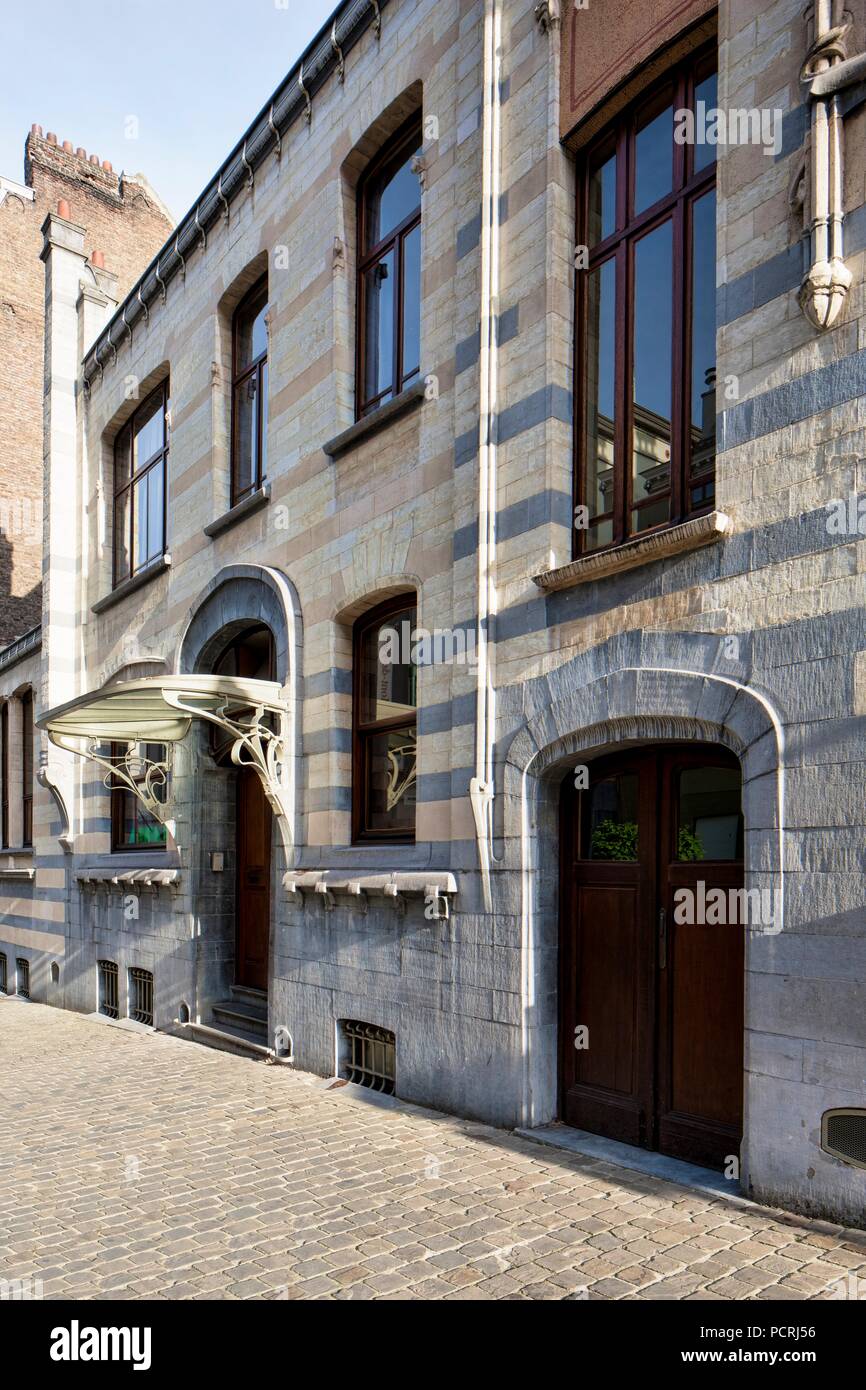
(675, 207)
(119, 794)
(240, 375)
(157, 460)
(394, 153)
(364, 730)
(27, 769)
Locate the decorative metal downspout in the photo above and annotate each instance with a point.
(827, 281)
(481, 787)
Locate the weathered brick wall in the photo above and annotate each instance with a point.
(128, 224)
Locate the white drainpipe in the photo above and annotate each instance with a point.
(481, 788)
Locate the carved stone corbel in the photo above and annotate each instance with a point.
(826, 283)
(548, 15)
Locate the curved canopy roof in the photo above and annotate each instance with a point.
(157, 709)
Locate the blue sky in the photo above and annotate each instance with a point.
(192, 72)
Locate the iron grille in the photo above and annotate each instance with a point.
(368, 1056)
(3, 984)
(22, 985)
(141, 995)
(108, 988)
(843, 1134)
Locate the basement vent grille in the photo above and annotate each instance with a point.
(141, 995)
(23, 977)
(3, 977)
(843, 1134)
(368, 1056)
(108, 988)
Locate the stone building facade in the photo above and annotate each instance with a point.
(647, 687)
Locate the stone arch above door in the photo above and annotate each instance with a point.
(240, 595)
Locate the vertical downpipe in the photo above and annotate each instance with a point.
(481, 789)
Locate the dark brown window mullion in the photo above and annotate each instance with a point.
(623, 374)
(680, 391)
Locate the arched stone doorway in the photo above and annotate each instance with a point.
(651, 950)
(246, 625)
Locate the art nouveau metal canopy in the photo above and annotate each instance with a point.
(148, 717)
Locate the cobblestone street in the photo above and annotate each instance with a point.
(138, 1165)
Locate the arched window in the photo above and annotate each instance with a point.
(4, 773)
(646, 315)
(27, 768)
(389, 273)
(140, 479)
(385, 723)
(250, 392)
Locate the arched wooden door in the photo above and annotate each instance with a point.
(651, 979)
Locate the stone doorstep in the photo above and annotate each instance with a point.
(651, 1164)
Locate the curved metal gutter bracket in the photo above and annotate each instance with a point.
(251, 177)
(144, 307)
(377, 22)
(341, 62)
(180, 257)
(126, 325)
(160, 281)
(113, 348)
(223, 199)
(201, 229)
(278, 139)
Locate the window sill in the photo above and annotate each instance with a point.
(253, 503)
(129, 586)
(371, 424)
(675, 540)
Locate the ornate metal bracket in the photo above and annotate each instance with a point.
(255, 743)
(147, 778)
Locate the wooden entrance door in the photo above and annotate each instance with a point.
(254, 881)
(652, 982)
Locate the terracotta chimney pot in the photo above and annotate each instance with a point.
(51, 138)
(106, 164)
(36, 130)
(64, 210)
(94, 159)
(97, 258)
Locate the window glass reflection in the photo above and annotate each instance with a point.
(652, 378)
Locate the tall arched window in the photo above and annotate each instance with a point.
(4, 773)
(385, 723)
(646, 315)
(27, 768)
(389, 273)
(250, 392)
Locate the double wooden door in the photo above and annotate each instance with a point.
(651, 990)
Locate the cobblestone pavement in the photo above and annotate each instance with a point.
(137, 1165)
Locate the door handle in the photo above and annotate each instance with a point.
(663, 939)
